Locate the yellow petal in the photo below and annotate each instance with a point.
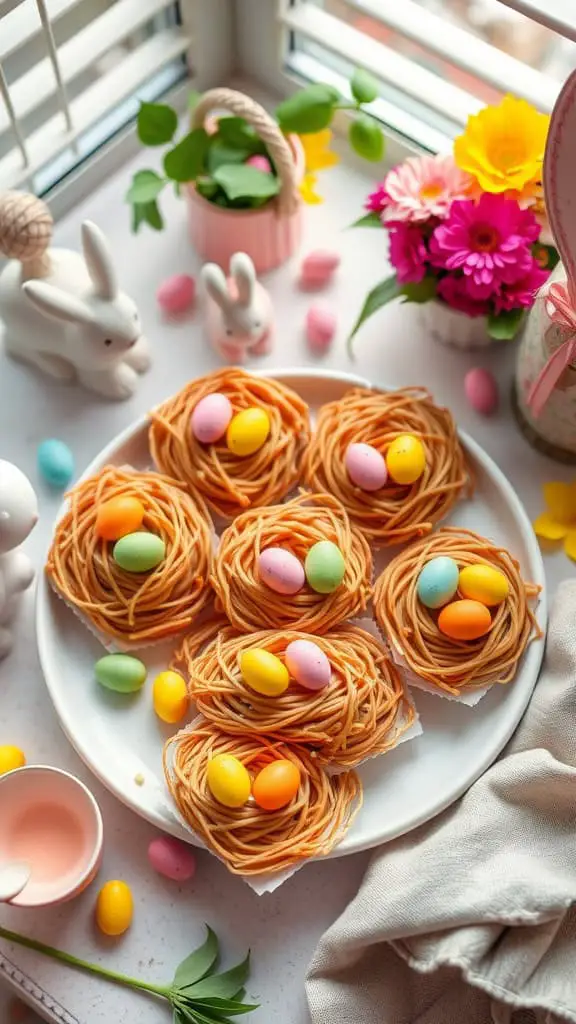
(307, 192)
(560, 499)
(547, 527)
(570, 545)
(316, 152)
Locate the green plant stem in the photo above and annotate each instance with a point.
(83, 965)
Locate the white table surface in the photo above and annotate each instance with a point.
(282, 929)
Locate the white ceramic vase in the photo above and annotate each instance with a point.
(449, 326)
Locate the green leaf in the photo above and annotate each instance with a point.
(207, 187)
(147, 213)
(366, 138)
(199, 963)
(156, 124)
(146, 186)
(188, 158)
(220, 986)
(193, 100)
(238, 134)
(309, 110)
(382, 294)
(505, 326)
(363, 86)
(227, 1007)
(219, 154)
(420, 291)
(369, 220)
(241, 182)
(545, 255)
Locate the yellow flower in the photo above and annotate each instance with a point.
(503, 147)
(307, 189)
(317, 154)
(559, 521)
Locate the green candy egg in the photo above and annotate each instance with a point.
(324, 567)
(139, 552)
(120, 672)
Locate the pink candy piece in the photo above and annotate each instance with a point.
(261, 163)
(481, 390)
(176, 294)
(317, 269)
(172, 858)
(320, 328)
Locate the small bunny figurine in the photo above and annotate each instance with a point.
(18, 516)
(63, 312)
(239, 314)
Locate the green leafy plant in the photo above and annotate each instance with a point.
(196, 994)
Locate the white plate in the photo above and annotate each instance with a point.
(120, 737)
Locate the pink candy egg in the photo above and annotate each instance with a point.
(176, 294)
(320, 328)
(210, 418)
(281, 571)
(260, 162)
(171, 858)
(308, 664)
(317, 269)
(481, 390)
(365, 466)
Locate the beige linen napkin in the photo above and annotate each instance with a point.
(470, 919)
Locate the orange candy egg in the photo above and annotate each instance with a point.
(276, 785)
(118, 517)
(464, 620)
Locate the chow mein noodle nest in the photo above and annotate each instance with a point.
(410, 627)
(229, 483)
(361, 713)
(252, 841)
(133, 608)
(296, 526)
(394, 514)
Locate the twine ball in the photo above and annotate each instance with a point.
(25, 226)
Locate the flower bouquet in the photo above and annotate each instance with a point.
(469, 231)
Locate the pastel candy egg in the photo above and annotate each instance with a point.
(114, 908)
(139, 552)
(118, 516)
(170, 696)
(317, 268)
(11, 758)
(228, 780)
(483, 583)
(324, 567)
(481, 390)
(264, 672)
(210, 418)
(120, 672)
(464, 620)
(248, 431)
(260, 162)
(320, 328)
(276, 785)
(281, 571)
(55, 463)
(172, 858)
(365, 466)
(307, 664)
(176, 294)
(406, 459)
(437, 582)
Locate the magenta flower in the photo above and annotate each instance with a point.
(521, 292)
(489, 241)
(455, 291)
(424, 187)
(377, 199)
(408, 253)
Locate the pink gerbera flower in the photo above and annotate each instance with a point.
(522, 292)
(408, 253)
(455, 292)
(490, 241)
(423, 187)
(377, 199)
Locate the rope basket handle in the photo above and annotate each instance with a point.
(266, 129)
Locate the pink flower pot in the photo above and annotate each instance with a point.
(270, 234)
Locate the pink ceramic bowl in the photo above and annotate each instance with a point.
(49, 819)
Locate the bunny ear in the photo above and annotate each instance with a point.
(215, 284)
(559, 179)
(242, 270)
(99, 261)
(57, 303)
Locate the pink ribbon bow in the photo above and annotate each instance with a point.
(561, 311)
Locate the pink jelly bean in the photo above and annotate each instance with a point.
(317, 269)
(320, 328)
(260, 162)
(172, 858)
(176, 294)
(481, 390)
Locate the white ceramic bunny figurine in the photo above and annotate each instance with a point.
(18, 516)
(62, 311)
(239, 315)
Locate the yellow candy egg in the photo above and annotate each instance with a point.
(228, 780)
(483, 583)
(11, 758)
(170, 696)
(406, 459)
(264, 672)
(114, 908)
(247, 431)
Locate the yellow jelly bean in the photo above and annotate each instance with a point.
(170, 696)
(114, 908)
(406, 459)
(247, 431)
(483, 583)
(11, 758)
(264, 672)
(228, 780)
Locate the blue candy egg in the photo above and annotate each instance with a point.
(438, 582)
(55, 463)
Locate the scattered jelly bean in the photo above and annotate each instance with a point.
(228, 780)
(406, 459)
(55, 463)
(118, 516)
(483, 583)
(320, 326)
(176, 294)
(248, 431)
(172, 858)
(210, 418)
(308, 664)
(114, 908)
(464, 620)
(481, 390)
(280, 570)
(260, 162)
(264, 672)
(365, 466)
(11, 758)
(120, 672)
(170, 696)
(438, 582)
(276, 785)
(324, 567)
(317, 269)
(139, 552)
